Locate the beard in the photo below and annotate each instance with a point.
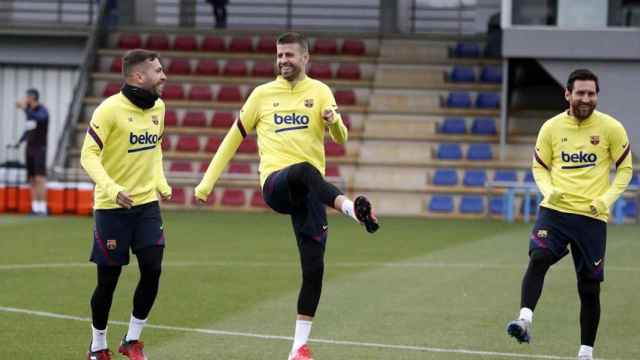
(582, 111)
(289, 74)
(157, 88)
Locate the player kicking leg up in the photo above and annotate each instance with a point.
(300, 191)
(291, 116)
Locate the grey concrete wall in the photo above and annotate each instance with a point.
(553, 43)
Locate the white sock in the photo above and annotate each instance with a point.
(585, 350)
(347, 209)
(526, 314)
(303, 329)
(42, 208)
(35, 205)
(135, 328)
(99, 340)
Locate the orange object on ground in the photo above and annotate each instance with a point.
(55, 198)
(85, 199)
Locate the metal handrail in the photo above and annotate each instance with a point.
(415, 8)
(59, 11)
(80, 90)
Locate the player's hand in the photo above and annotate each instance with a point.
(124, 199)
(329, 117)
(200, 194)
(166, 196)
(21, 104)
(555, 196)
(598, 207)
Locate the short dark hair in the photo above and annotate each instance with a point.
(134, 57)
(294, 38)
(33, 93)
(582, 74)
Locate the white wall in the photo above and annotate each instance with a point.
(55, 85)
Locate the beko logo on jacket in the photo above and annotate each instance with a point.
(143, 139)
(299, 121)
(583, 159)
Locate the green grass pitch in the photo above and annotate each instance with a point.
(418, 289)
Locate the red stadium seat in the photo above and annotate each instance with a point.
(116, 65)
(178, 197)
(222, 119)
(353, 47)
(185, 43)
(213, 43)
(170, 118)
(257, 200)
(248, 146)
(332, 171)
(211, 200)
(320, 71)
(157, 42)
(207, 67)
(195, 119)
(241, 44)
(345, 97)
(266, 45)
(181, 166)
(233, 197)
(333, 149)
(200, 93)
(239, 168)
(347, 121)
(229, 93)
(188, 143)
(263, 69)
(129, 41)
(348, 72)
(166, 143)
(173, 92)
(179, 67)
(212, 145)
(111, 89)
(235, 68)
(203, 167)
(325, 47)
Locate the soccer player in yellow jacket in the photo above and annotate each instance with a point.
(573, 156)
(123, 156)
(290, 115)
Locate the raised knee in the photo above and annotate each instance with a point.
(542, 258)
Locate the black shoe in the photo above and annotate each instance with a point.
(365, 215)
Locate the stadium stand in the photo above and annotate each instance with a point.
(427, 115)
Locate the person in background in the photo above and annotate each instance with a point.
(36, 153)
(219, 12)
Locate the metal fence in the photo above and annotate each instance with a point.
(40, 12)
(355, 15)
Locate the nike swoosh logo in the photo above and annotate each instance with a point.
(324, 227)
(161, 227)
(597, 263)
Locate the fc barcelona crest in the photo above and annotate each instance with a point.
(111, 244)
(542, 234)
(154, 119)
(595, 140)
(308, 103)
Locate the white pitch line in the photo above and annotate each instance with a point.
(279, 337)
(426, 264)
